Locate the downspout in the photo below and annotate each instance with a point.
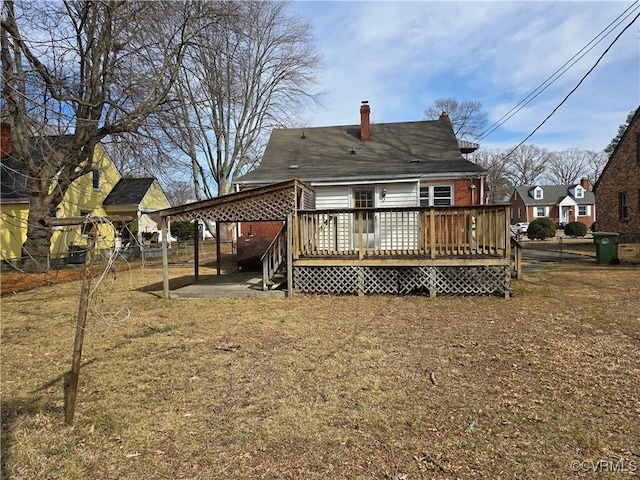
(482, 180)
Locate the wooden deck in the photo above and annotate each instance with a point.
(452, 250)
(433, 250)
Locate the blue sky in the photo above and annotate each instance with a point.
(402, 56)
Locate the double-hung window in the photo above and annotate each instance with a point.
(624, 206)
(436, 195)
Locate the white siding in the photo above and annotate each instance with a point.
(399, 195)
(396, 195)
(397, 229)
(333, 197)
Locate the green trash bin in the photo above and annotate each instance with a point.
(606, 248)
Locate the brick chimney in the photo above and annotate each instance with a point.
(365, 124)
(444, 116)
(5, 144)
(584, 183)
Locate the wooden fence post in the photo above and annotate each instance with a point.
(81, 324)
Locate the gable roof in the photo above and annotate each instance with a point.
(636, 118)
(13, 173)
(129, 191)
(13, 180)
(394, 151)
(553, 194)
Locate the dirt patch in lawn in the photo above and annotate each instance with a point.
(14, 282)
(543, 385)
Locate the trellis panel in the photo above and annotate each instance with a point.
(271, 203)
(432, 280)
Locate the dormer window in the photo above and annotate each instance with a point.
(537, 193)
(579, 192)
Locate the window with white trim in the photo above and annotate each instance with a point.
(583, 210)
(537, 193)
(540, 211)
(579, 192)
(436, 195)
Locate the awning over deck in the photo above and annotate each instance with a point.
(275, 202)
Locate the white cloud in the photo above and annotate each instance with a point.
(402, 56)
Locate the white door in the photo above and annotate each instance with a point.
(363, 198)
(564, 217)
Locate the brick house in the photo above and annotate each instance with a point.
(618, 188)
(559, 203)
(370, 165)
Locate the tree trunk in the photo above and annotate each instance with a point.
(35, 250)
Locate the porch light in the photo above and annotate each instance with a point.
(383, 193)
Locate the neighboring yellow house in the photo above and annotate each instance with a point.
(99, 193)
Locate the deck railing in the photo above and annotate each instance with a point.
(274, 257)
(433, 232)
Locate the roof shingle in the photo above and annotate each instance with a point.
(395, 151)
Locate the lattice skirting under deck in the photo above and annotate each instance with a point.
(476, 280)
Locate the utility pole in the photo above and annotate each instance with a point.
(72, 391)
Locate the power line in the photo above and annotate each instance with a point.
(559, 72)
(576, 87)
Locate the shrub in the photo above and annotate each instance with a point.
(541, 228)
(575, 229)
(182, 229)
(594, 227)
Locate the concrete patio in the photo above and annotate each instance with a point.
(232, 285)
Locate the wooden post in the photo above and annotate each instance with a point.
(432, 232)
(165, 258)
(81, 324)
(196, 250)
(218, 253)
(360, 236)
(507, 233)
(289, 254)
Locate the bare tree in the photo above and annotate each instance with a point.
(179, 192)
(249, 72)
(85, 70)
(498, 184)
(596, 161)
(467, 117)
(566, 167)
(526, 164)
